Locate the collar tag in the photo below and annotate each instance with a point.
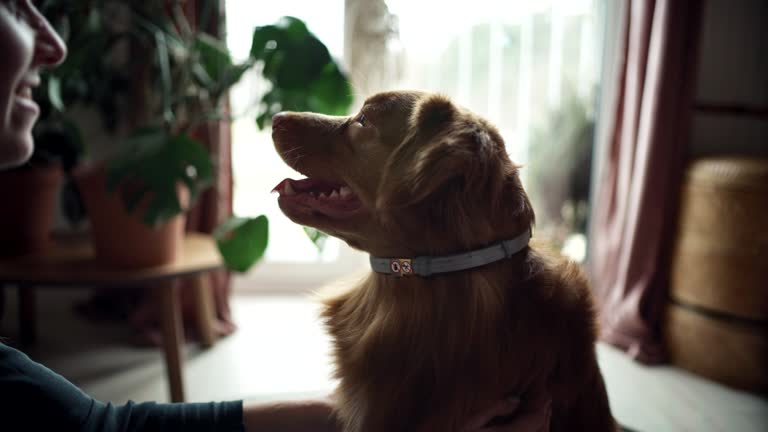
(401, 267)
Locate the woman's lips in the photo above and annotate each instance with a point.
(26, 104)
(23, 98)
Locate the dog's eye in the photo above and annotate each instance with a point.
(362, 120)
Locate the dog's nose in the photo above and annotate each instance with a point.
(278, 118)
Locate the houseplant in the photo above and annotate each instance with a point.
(177, 78)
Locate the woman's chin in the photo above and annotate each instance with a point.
(16, 149)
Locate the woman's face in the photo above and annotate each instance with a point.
(27, 43)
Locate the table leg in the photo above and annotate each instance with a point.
(27, 313)
(173, 336)
(202, 294)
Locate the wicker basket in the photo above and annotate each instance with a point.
(717, 321)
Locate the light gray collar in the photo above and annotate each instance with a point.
(428, 265)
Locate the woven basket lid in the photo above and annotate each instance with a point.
(729, 171)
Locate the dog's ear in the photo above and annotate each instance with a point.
(433, 114)
(445, 149)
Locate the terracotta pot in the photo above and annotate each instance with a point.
(29, 199)
(120, 238)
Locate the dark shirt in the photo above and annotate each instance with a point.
(34, 398)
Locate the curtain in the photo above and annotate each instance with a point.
(642, 144)
(213, 208)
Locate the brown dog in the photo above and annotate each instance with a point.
(414, 175)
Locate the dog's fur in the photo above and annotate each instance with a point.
(426, 353)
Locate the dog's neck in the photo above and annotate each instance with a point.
(425, 266)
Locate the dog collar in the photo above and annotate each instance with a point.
(429, 265)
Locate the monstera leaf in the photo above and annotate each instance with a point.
(303, 75)
(154, 166)
(242, 241)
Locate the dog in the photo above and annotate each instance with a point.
(414, 175)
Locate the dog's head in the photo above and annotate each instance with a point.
(410, 174)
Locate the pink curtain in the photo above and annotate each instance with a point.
(641, 158)
(213, 208)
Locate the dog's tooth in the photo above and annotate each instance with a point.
(334, 194)
(323, 195)
(288, 189)
(345, 191)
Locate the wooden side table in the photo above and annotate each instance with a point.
(71, 262)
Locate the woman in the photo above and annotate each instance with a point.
(33, 397)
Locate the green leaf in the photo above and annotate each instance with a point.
(233, 74)
(330, 93)
(54, 92)
(318, 237)
(140, 144)
(265, 39)
(293, 26)
(163, 59)
(202, 76)
(291, 54)
(304, 60)
(196, 166)
(262, 120)
(303, 74)
(242, 241)
(153, 169)
(214, 56)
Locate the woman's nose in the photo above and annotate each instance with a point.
(49, 48)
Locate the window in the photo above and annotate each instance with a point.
(529, 67)
(291, 259)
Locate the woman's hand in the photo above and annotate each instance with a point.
(529, 414)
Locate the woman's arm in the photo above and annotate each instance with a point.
(294, 416)
(32, 397)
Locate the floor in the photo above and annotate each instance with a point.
(280, 352)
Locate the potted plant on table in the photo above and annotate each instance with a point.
(177, 77)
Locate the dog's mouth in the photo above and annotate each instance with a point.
(310, 196)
